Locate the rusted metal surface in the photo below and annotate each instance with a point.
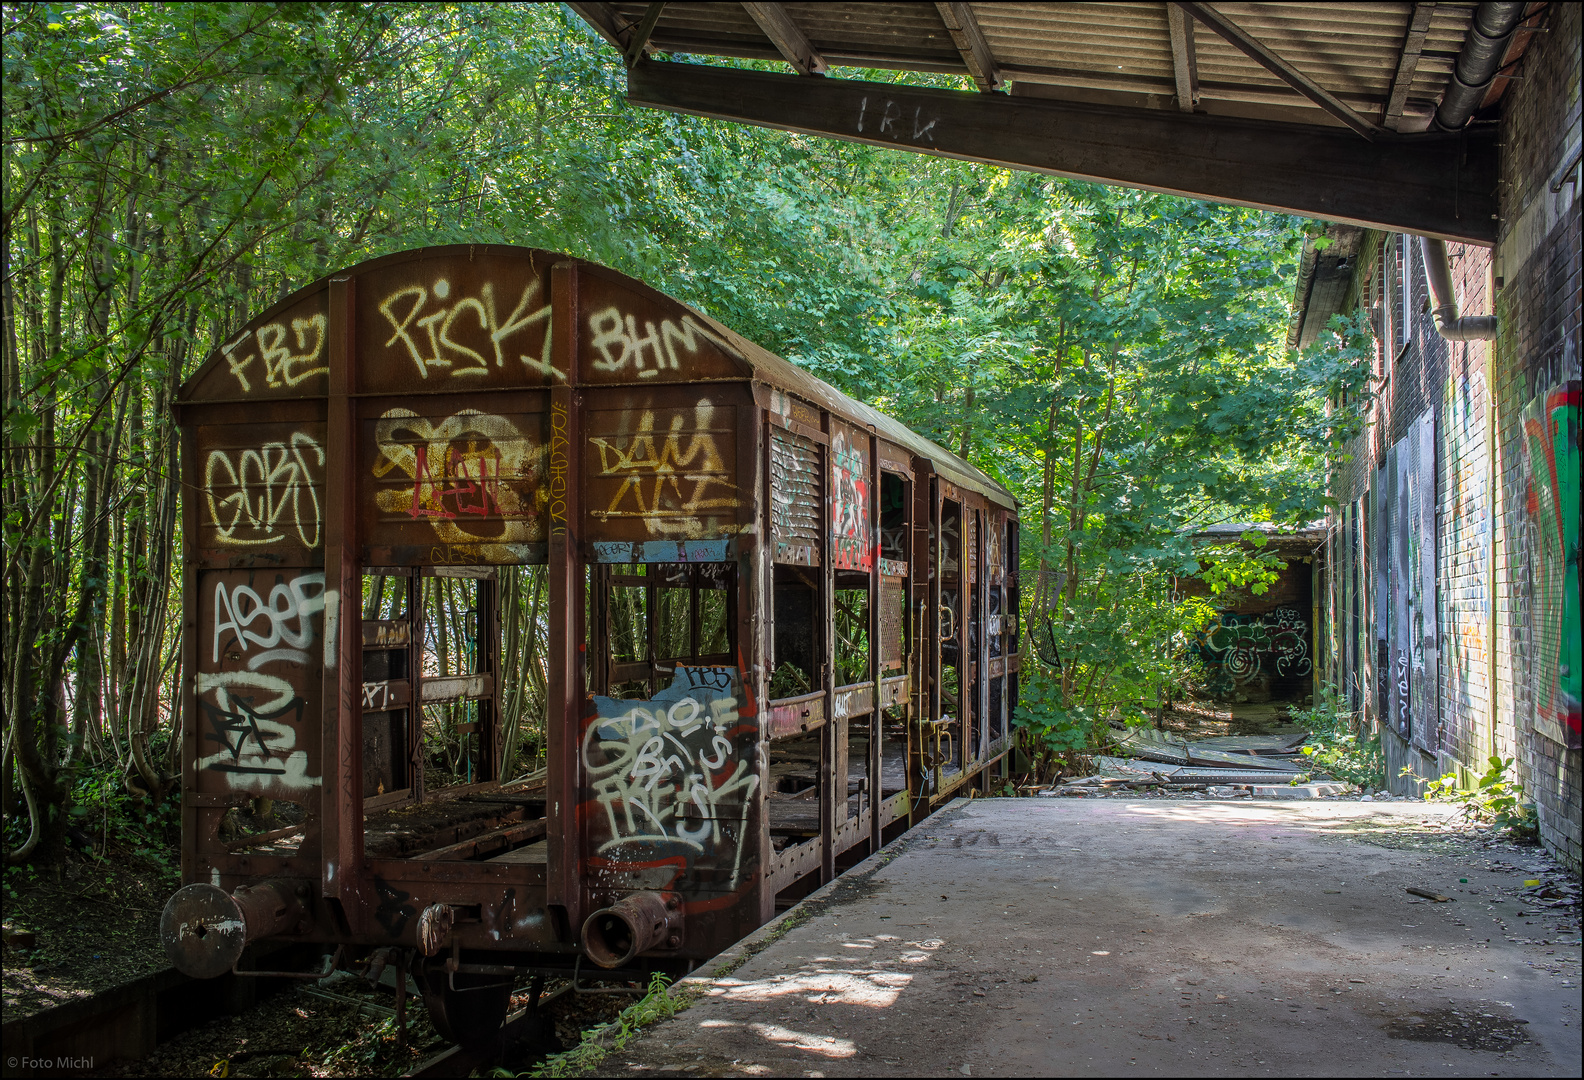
(204, 929)
(793, 716)
(654, 470)
(282, 354)
(853, 701)
(483, 407)
(438, 322)
(893, 612)
(459, 483)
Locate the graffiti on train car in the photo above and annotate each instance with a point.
(671, 474)
(263, 495)
(253, 717)
(622, 348)
(674, 774)
(288, 357)
(474, 477)
(1242, 649)
(851, 540)
(427, 320)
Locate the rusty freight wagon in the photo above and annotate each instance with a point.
(782, 627)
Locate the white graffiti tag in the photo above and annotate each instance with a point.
(283, 366)
(254, 717)
(432, 347)
(286, 619)
(668, 772)
(619, 344)
(265, 493)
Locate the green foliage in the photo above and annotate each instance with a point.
(1341, 743)
(1051, 728)
(1233, 567)
(656, 1004)
(1117, 358)
(1495, 799)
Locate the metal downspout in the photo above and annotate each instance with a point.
(1476, 69)
(1438, 272)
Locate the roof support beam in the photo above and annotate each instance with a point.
(1407, 64)
(1281, 68)
(629, 39)
(971, 43)
(1438, 185)
(789, 41)
(640, 34)
(1185, 64)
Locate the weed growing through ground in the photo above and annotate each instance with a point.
(1341, 743)
(656, 1004)
(1495, 799)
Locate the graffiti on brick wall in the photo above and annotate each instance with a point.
(673, 776)
(1466, 558)
(1241, 650)
(1551, 542)
(1411, 623)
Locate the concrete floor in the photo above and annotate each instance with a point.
(1040, 937)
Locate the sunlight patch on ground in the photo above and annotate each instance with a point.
(1316, 814)
(824, 1045)
(875, 989)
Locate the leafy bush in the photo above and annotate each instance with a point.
(1495, 799)
(1341, 743)
(1052, 731)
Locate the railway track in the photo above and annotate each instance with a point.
(168, 1024)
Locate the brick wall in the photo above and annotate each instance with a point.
(1538, 348)
(1465, 526)
(1503, 648)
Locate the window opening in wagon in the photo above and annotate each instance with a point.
(896, 574)
(649, 618)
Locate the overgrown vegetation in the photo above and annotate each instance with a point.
(1342, 744)
(1495, 799)
(1117, 358)
(658, 1003)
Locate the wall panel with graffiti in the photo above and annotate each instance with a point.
(1550, 561)
(1264, 655)
(462, 483)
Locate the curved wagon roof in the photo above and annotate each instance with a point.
(440, 314)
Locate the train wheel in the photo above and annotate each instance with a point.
(466, 1009)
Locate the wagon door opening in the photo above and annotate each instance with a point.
(944, 739)
(895, 644)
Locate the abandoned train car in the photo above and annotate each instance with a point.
(782, 626)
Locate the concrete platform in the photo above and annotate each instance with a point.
(1042, 937)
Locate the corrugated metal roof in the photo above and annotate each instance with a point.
(1109, 52)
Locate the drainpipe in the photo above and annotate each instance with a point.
(1476, 69)
(1477, 65)
(1438, 272)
